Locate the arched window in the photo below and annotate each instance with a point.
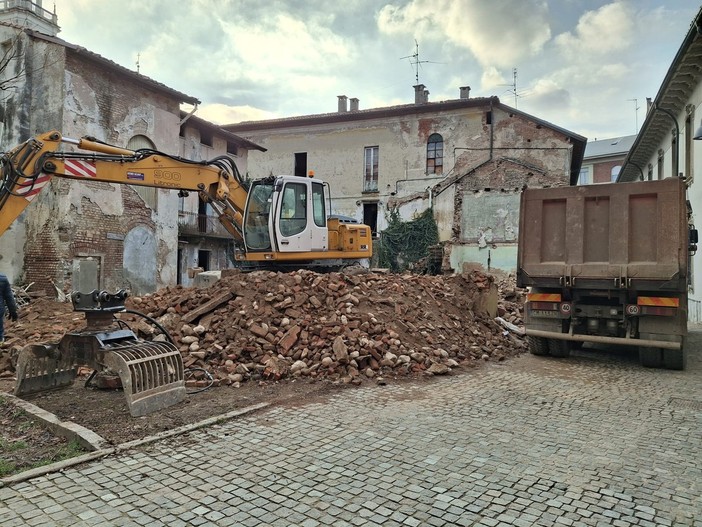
(435, 154)
(614, 173)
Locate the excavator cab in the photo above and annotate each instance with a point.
(286, 214)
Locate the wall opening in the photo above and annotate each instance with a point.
(301, 164)
(370, 216)
(179, 267)
(203, 260)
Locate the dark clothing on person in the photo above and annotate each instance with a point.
(7, 301)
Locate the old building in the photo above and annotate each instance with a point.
(86, 235)
(202, 240)
(467, 158)
(670, 141)
(603, 159)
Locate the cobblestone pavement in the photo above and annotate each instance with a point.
(592, 440)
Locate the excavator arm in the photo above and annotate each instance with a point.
(28, 168)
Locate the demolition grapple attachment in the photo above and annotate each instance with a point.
(152, 373)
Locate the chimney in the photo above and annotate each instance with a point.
(465, 92)
(354, 104)
(342, 104)
(649, 103)
(420, 94)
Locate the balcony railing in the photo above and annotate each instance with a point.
(193, 224)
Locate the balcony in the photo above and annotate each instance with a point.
(193, 224)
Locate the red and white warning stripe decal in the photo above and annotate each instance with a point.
(29, 190)
(79, 168)
(73, 167)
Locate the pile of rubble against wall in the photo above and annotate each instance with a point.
(265, 325)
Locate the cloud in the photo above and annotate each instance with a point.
(225, 114)
(491, 79)
(601, 32)
(498, 33)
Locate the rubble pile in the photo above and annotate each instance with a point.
(268, 326)
(273, 325)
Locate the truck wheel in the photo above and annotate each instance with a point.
(651, 357)
(537, 345)
(559, 348)
(675, 359)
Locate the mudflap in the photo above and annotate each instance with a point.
(152, 375)
(42, 367)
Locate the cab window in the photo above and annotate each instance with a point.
(293, 210)
(320, 216)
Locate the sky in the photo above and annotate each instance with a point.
(584, 65)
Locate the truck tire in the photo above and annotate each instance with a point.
(559, 348)
(651, 357)
(675, 359)
(537, 345)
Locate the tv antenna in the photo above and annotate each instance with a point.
(415, 62)
(636, 112)
(513, 91)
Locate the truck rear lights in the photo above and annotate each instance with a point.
(658, 311)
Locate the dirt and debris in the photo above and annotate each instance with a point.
(26, 443)
(267, 336)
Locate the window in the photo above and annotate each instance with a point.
(293, 216)
(370, 178)
(318, 207)
(300, 164)
(584, 177)
(206, 137)
(614, 173)
(231, 148)
(435, 154)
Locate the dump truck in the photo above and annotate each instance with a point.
(607, 264)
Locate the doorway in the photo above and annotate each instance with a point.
(203, 260)
(370, 217)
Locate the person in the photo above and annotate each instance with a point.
(7, 301)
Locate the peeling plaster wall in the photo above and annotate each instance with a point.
(500, 151)
(486, 219)
(335, 151)
(103, 224)
(30, 105)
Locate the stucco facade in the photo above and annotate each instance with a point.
(489, 152)
(88, 234)
(666, 145)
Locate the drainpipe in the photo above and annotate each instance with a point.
(676, 166)
(182, 122)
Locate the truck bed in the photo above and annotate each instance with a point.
(594, 235)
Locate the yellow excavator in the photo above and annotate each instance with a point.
(277, 222)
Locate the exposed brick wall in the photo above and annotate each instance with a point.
(602, 172)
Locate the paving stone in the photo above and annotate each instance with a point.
(479, 460)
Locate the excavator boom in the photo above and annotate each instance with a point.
(28, 168)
